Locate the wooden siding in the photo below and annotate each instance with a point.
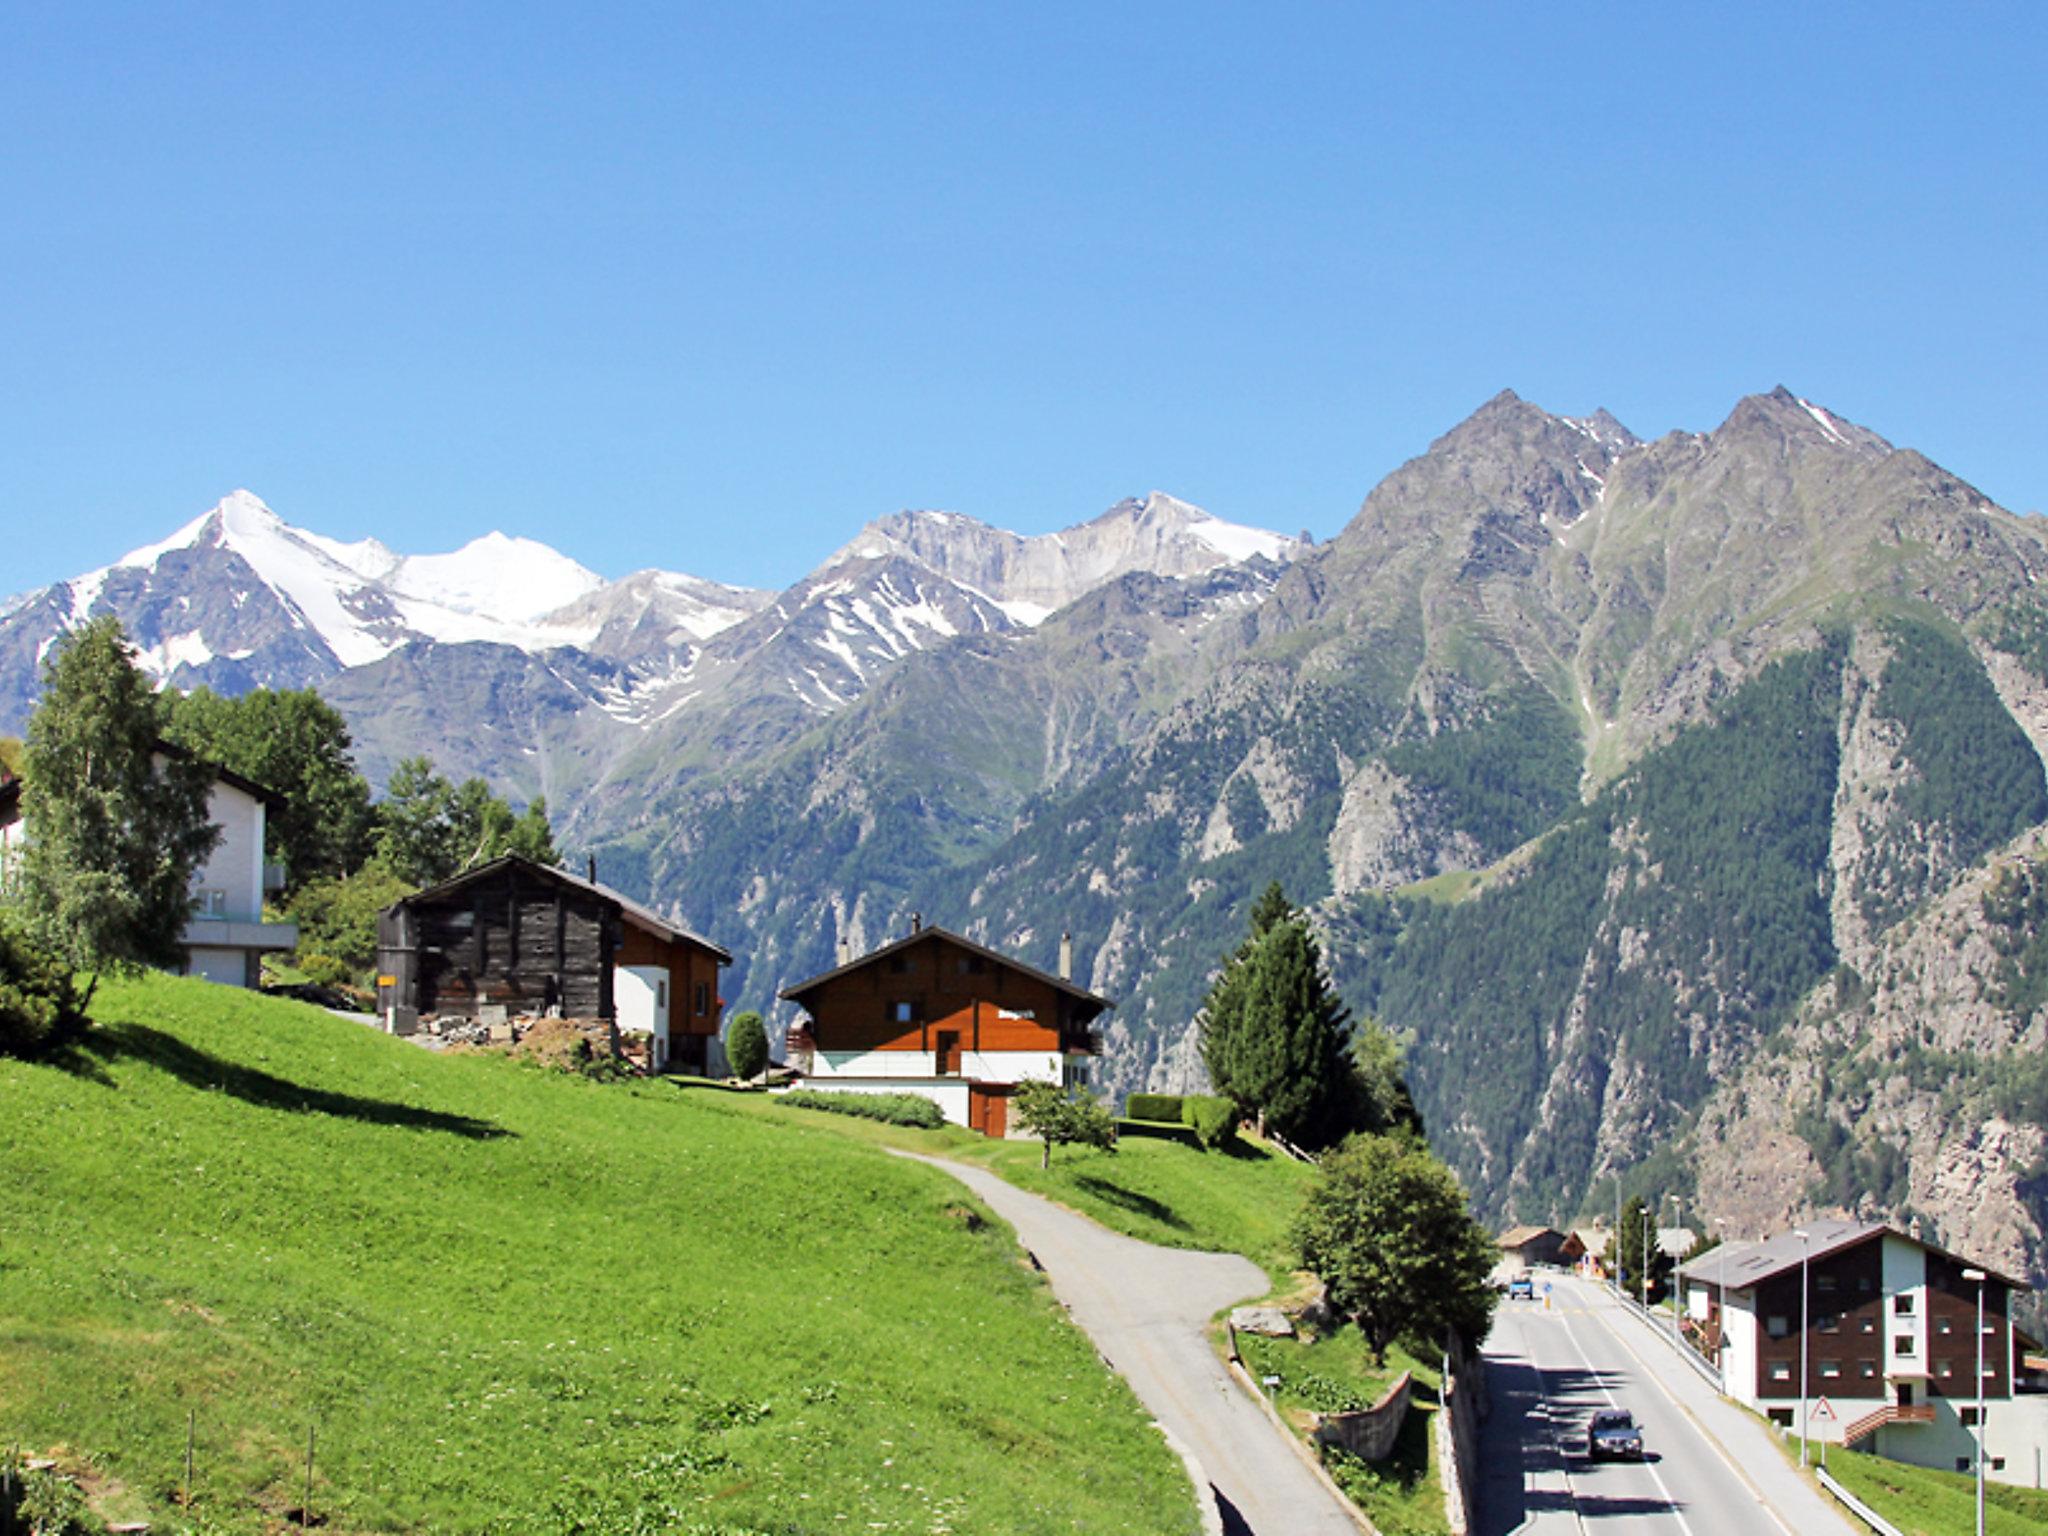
(1846, 1324)
(693, 1002)
(944, 988)
(1952, 1301)
(524, 944)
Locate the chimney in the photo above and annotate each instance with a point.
(917, 922)
(591, 864)
(845, 950)
(1066, 957)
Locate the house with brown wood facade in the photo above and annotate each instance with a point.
(1890, 1343)
(533, 940)
(941, 1016)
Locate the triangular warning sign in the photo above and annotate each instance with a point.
(1822, 1408)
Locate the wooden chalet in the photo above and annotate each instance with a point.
(941, 1016)
(533, 940)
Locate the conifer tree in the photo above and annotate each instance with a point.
(114, 834)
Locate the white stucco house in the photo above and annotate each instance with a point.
(226, 936)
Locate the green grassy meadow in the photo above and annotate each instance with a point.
(512, 1300)
(1923, 1502)
(1239, 1200)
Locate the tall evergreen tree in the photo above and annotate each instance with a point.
(1274, 1035)
(114, 834)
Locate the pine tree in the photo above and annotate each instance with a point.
(115, 829)
(1274, 1035)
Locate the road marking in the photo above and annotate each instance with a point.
(1713, 1444)
(1600, 1378)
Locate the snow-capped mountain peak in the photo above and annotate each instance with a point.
(517, 579)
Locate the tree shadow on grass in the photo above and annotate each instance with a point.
(214, 1074)
(1130, 1200)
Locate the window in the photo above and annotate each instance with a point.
(1867, 1369)
(1903, 1344)
(1944, 1367)
(1902, 1304)
(1781, 1370)
(1962, 1463)
(1831, 1324)
(1831, 1369)
(1969, 1416)
(1824, 1284)
(661, 992)
(899, 964)
(210, 903)
(1867, 1325)
(1777, 1327)
(1941, 1325)
(1782, 1417)
(703, 997)
(903, 1013)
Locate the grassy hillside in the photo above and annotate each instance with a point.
(512, 1300)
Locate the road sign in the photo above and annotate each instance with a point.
(1823, 1409)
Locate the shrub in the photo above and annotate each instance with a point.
(1211, 1117)
(889, 1108)
(1158, 1130)
(40, 1007)
(1155, 1106)
(44, 1503)
(746, 1044)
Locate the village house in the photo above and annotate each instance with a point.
(1525, 1247)
(226, 937)
(941, 1016)
(530, 939)
(1890, 1344)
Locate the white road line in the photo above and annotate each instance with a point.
(1600, 1376)
(1713, 1444)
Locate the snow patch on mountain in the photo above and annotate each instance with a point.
(513, 579)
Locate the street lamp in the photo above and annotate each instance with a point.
(1646, 1261)
(1805, 1247)
(1978, 1276)
(1678, 1280)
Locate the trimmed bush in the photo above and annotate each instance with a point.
(746, 1044)
(889, 1108)
(1211, 1117)
(1154, 1106)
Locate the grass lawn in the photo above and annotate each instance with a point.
(1334, 1373)
(1236, 1201)
(1924, 1502)
(512, 1300)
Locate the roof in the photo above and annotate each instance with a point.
(1087, 999)
(633, 912)
(1516, 1237)
(270, 797)
(1738, 1266)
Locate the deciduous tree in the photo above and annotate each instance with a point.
(1388, 1229)
(115, 830)
(1059, 1115)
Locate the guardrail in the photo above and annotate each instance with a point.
(1684, 1351)
(1856, 1506)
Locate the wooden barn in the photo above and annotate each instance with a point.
(531, 939)
(941, 1016)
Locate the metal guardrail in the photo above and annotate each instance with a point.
(1685, 1352)
(1856, 1506)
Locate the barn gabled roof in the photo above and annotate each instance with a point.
(632, 911)
(1089, 1005)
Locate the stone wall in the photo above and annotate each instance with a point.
(1369, 1433)
(1457, 1437)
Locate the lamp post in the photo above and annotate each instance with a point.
(1678, 1280)
(1805, 1248)
(1978, 1276)
(1646, 1261)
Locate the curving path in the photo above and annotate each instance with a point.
(1146, 1309)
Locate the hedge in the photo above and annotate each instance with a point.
(1154, 1106)
(1211, 1117)
(890, 1108)
(1165, 1130)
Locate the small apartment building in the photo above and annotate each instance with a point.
(1890, 1344)
(227, 937)
(941, 1016)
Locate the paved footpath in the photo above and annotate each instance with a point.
(1146, 1309)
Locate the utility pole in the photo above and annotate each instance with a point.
(1646, 1261)
(1678, 1281)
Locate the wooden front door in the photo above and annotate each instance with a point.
(988, 1111)
(946, 1046)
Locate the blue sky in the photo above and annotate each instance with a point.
(707, 290)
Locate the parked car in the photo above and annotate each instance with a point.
(1521, 1288)
(1614, 1433)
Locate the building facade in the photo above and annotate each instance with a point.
(1890, 1344)
(948, 1019)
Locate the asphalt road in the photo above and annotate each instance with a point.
(1708, 1470)
(1146, 1309)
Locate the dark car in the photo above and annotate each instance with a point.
(1614, 1434)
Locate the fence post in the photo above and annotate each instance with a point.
(306, 1505)
(191, 1430)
